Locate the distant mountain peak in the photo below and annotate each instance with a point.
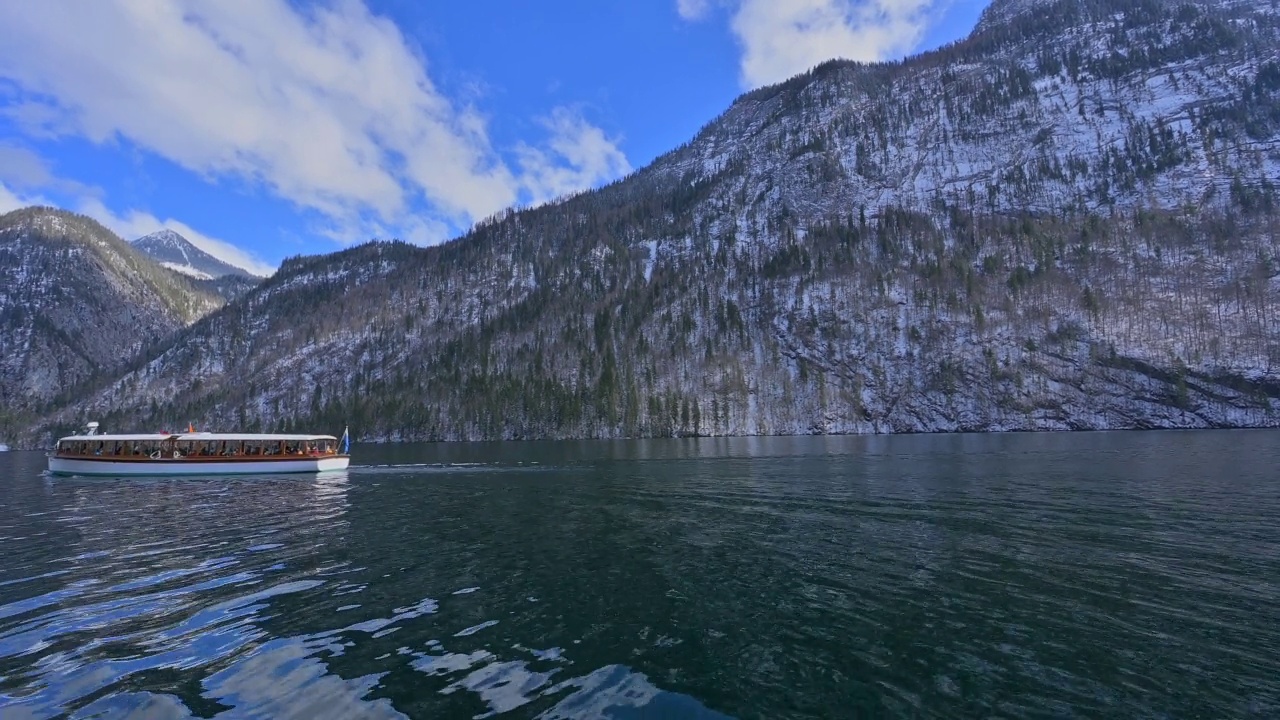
(76, 301)
(172, 250)
(166, 236)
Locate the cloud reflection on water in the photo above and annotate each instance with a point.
(196, 576)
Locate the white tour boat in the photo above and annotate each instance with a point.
(197, 453)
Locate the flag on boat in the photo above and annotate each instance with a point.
(346, 442)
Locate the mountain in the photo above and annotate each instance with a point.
(75, 302)
(1067, 220)
(175, 252)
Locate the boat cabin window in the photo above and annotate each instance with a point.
(256, 448)
(91, 447)
(196, 448)
(106, 447)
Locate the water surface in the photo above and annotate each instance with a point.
(1055, 575)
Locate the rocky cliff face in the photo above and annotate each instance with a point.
(1067, 220)
(76, 302)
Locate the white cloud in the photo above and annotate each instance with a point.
(330, 108)
(26, 170)
(11, 200)
(133, 224)
(579, 155)
(693, 9)
(782, 38)
(19, 165)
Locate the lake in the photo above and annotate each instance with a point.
(1023, 575)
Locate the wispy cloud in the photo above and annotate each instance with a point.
(779, 39)
(11, 199)
(693, 9)
(577, 155)
(330, 107)
(25, 170)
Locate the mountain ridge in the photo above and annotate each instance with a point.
(76, 301)
(1075, 233)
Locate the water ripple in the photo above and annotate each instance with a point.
(1133, 575)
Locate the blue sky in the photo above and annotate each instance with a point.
(262, 129)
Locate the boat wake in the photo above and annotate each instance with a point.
(431, 468)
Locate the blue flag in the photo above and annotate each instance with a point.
(346, 442)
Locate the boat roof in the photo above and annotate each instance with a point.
(205, 436)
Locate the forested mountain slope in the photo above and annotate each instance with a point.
(1067, 220)
(229, 287)
(77, 301)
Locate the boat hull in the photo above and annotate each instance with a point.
(120, 467)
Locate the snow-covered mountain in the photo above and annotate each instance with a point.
(175, 252)
(77, 301)
(1050, 106)
(1068, 219)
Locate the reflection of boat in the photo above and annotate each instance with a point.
(197, 453)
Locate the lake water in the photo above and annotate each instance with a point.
(1054, 575)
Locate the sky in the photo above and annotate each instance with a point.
(264, 129)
